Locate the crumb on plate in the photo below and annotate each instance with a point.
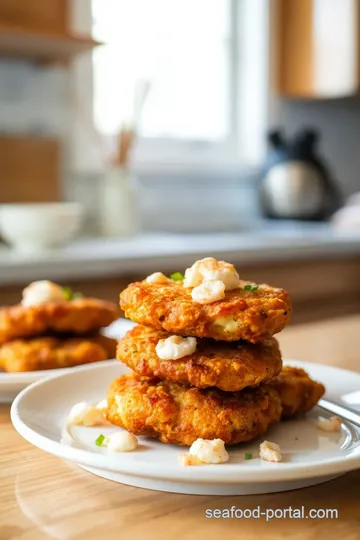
(332, 424)
(270, 451)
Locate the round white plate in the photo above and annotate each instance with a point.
(12, 383)
(310, 455)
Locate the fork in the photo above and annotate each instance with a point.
(347, 413)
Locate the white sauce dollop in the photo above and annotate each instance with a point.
(157, 277)
(86, 414)
(208, 292)
(175, 347)
(209, 269)
(41, 292)
(121, 441)
(209, 451)
(270, 451)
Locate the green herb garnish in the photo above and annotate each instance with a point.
(70, 294)
(177, 276)
(252, 288)
(99, 441)
(248, 455)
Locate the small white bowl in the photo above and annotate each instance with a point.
(40, 226)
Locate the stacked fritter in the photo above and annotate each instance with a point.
(205, 364)
(54, 328)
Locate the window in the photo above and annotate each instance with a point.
(203, 60)
(182, 47)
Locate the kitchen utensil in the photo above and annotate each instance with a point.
(347, 413)
(296, 183)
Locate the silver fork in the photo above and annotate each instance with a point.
(347, 413)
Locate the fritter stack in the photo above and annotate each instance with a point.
(54, 329)
(230, 385)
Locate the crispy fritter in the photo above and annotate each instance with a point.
(52, 353)
(297, 391)
(78, 316)
(248, 315)
(109, 344)
(228, 366)
(179, 414)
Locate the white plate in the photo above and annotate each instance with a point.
(311, 456)
(12, 383)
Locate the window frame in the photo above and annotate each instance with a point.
(250, 71)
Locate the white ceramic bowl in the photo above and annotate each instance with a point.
(39, 226)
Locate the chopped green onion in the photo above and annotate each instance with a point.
(99, 441)
(177, 276)
(252, 288)
(68, 292)
(248, 455)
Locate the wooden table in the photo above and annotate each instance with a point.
(44, 497)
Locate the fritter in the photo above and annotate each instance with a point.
(109, 344)
(228, 366)
(242, 314)
(52, 353)
(79, 316)
(179, 414)
(297, 391)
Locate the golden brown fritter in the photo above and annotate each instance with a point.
(228, 366)
(179, 414)
(78, 316)
(109, 344)
(297, 391)
(52, 353)
(249, 315)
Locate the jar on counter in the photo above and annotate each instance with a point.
(119, 214)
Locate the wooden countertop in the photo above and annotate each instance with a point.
(43, 497)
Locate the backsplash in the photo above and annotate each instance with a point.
(199, 203)
(180, 203)
(34, 99)
(338, 122)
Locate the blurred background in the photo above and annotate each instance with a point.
(141, 135)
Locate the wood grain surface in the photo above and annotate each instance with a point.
(29, 168)
(308, 56)
(44, 497)
(51, 15)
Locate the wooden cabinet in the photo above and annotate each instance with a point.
(40, 30)
(318, 47)
(48, 15)
(29, 169)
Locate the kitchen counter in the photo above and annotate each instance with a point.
(319, 268)
(44, 497)
(147, 253)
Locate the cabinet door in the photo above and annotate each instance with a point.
(318, 48)
(46, 15)
(29, 169)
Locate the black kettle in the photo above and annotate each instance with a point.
(296, 183)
